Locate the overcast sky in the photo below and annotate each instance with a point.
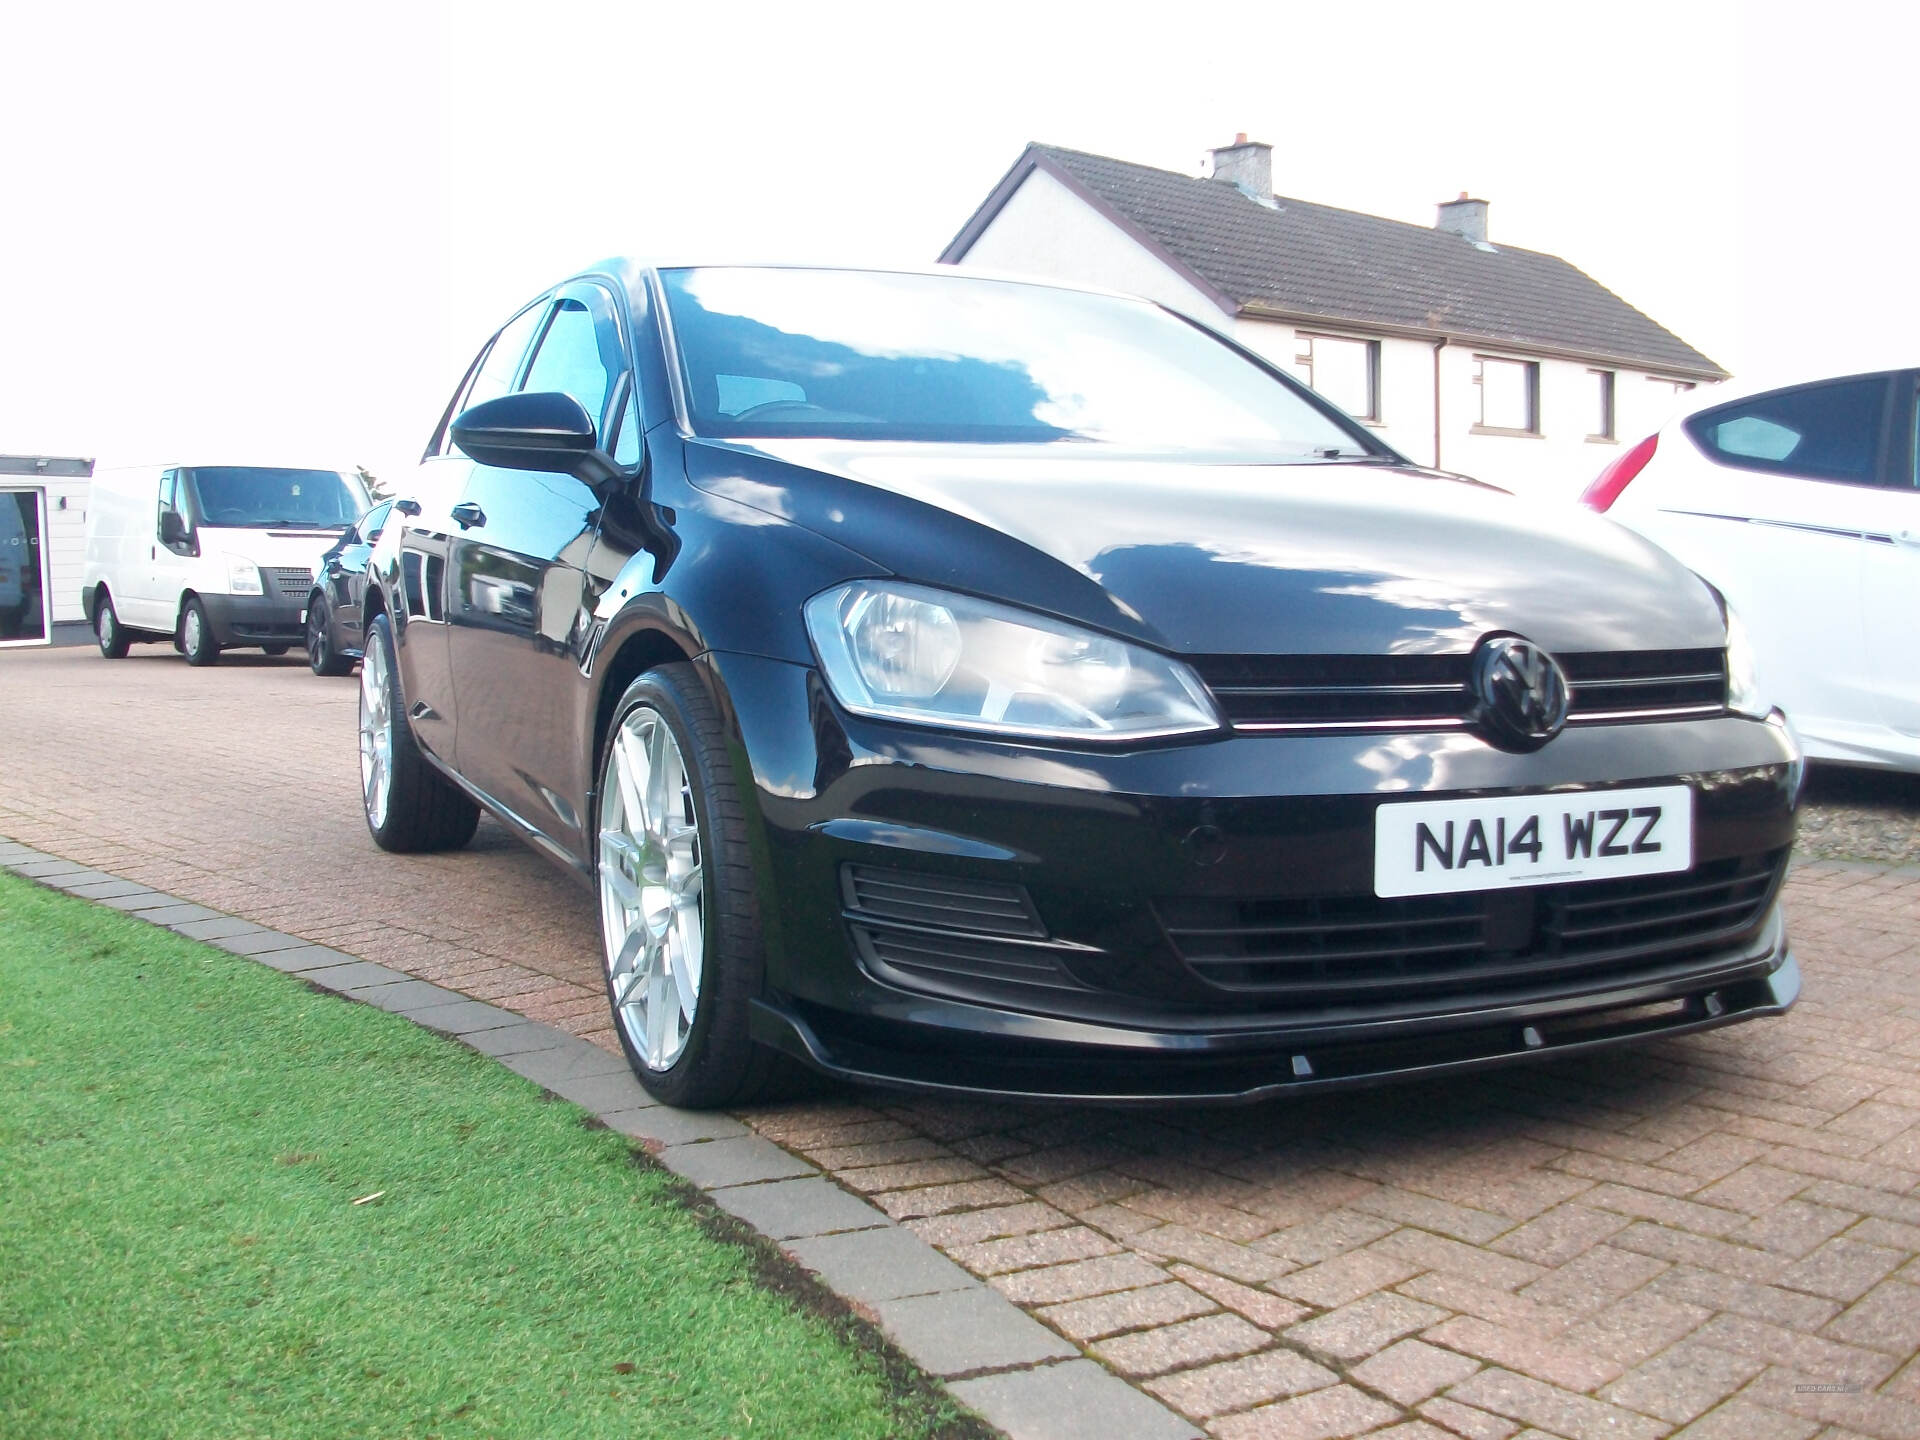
(275, 233)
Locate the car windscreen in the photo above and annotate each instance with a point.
(864, 355)
(259, 496)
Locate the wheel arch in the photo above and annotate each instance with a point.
(639, 651)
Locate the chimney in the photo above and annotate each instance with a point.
(1464, 217)
(1247, 164)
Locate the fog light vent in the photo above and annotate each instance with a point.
(909, 956)
(950, 902)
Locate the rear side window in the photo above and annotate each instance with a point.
(1822, 432)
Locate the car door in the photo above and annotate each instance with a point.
(134, 580)
(347, 575)
(518, 591)
(425, 661)
(1789, 520)
(170, 561)
(1891, 615)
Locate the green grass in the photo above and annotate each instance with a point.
(182, 1137)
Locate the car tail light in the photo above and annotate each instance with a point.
(1608, 484)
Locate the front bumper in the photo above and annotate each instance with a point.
(255, 619)
(1282, 1063)
(1096, 999)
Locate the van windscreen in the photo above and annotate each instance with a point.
(260, 496)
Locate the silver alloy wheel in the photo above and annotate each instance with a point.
(652, 908)
(376, 736)
(105, 626)
(190, 633)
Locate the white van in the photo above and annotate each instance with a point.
(209, 556)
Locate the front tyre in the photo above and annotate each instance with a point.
(679, 921)
(106, 629)
(196, 634)
(409, 805)
(321, 656)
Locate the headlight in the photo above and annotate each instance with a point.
(905, 652)
(243, 576)
(1743, 681)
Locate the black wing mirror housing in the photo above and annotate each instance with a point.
(540, 430)
(173, 529)
(544, 430)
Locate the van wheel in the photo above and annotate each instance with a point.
(321, 655)
(409, 805)
(196, 634)
(106, 629)
(679, 919)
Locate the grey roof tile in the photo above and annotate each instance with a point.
(1316, 260)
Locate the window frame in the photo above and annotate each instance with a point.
(1609, 382)
(1531, 371)
(1305, 358)
(603, 311)
(442, 442)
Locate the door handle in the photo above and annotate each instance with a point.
(469, 515)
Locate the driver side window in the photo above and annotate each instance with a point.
(578, 357)
(492, 375)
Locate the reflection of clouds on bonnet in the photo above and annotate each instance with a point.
(1416, 762)
(1299, 601)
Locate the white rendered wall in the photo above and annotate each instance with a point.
(1044, 229)
(65, 539)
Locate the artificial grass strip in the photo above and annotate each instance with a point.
(183, 1135)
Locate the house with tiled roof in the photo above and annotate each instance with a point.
(1464, 353)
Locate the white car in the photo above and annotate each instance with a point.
(1802, 505)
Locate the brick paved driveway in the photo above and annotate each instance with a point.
(1716, 1236)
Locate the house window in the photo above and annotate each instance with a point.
(1601, 404)
(1343, 370)
(1509, 395)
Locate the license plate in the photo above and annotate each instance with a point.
(1439, 847)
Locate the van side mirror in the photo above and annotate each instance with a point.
(543, 430)
(173, 529)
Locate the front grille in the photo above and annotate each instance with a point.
(1361, 949)
(287, 582)
(1417, 692)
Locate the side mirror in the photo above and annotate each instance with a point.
(537, 431)
(173, 529)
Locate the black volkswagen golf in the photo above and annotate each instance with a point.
(987, 686)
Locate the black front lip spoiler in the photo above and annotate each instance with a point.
(1457, 1052)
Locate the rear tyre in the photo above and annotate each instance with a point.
(321, 656)
(409, 805)
(106, 629)
(679, 918)
(196, 634)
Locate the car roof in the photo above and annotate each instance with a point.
(1764, 383)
